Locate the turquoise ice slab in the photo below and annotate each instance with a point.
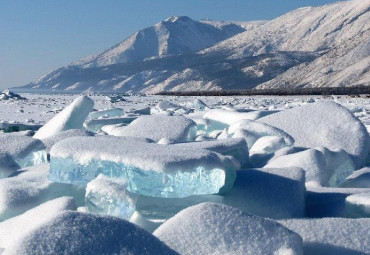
(150, 169)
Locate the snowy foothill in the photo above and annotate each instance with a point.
(191, 177)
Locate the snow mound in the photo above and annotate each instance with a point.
(232, 147)
(211, 228)
(254, 130)
(230, 117)
(325, 124)
(284, 197)
(72, 117)
(359, 179)
(51, 140)
(312, 161)
(329, 202)
(8, 95)
(19, 151)
(151, 169)
(332, 236)
(13, 229)
(95, 125)
(81, 233)
(358, 205)
(159, 126)
(323, 166)
(30, 187)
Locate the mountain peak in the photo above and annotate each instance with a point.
(174, 19)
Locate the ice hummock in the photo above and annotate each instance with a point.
(95, 125)
(358, 205)
(254, 130)
(14, 228)
(324, 124)
(150, 169)
(332, 236)
(109, 113)
(158, 126)
(18, 151)
(235, 147)
(70, 232)
(210, 228)
(29, 187)
(72, 117)
(110, 196)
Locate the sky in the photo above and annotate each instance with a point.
(38, 36)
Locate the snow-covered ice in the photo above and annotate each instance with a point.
(150, 169)
(161, 155)
(72, 117)
(13, 229)
(30, 187)
(210, 228)
(237, 148)
(332, 236)
(230, 117)
(109, 113)
(324, 124)
(51, 140)
(159, 126)
(358, 205)
(80, 233)
(110, 196)
(95, 125)
(359, 179)
(19, 151)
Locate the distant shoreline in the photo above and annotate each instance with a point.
(357, 90)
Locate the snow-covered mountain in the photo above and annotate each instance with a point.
(309, 47)
(172, 36)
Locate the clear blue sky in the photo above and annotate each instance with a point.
(38, 36)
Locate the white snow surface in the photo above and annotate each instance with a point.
(51, 140)
(210, 228)
(72, 117)
(325, 124)
(15, 228)
(332, 236)
(29, 187)
(158, 126)
(18, 151)
(359, 179)
(81, 233)
(230, 117)
(232, 147)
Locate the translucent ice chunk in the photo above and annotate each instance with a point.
(110, 196)
(95, 125)
(150, 169)
(32, 159)
(72, 117)
(114, 112)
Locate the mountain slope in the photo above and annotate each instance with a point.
(175, 35)
(326, 46)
